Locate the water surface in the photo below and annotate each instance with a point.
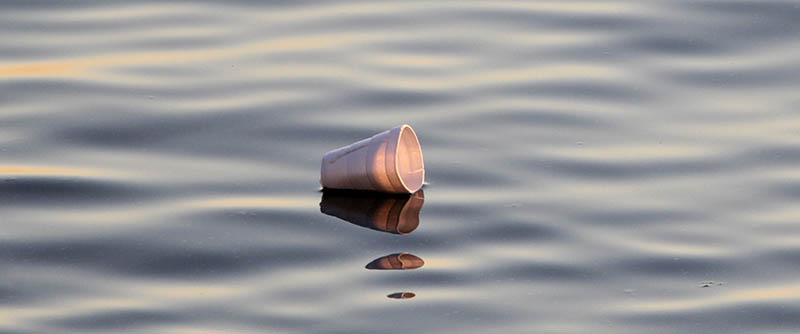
(614, 166)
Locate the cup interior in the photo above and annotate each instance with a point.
(410, 166)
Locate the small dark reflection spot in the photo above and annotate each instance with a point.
(708, 284)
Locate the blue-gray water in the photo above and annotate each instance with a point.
(592, 166)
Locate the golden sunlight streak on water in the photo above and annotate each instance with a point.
(43, 69)
(77, 67)
(251, 202)
(18, 314)
(26, 170)
(703, 301)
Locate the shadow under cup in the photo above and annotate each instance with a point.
(397, 214)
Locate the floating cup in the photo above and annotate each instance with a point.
(398, 214)
(389, 162)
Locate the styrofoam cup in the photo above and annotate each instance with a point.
(390, 162)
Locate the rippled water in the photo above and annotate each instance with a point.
(592, 166)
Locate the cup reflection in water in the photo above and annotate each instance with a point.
(398, 261)
(389, 162)
(398, 214)
(402, 295)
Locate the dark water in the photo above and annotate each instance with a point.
(592, 166)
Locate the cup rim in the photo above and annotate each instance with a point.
(401, 131)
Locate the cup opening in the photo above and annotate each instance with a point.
(410, 166)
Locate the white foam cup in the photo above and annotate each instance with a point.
(389, 162)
